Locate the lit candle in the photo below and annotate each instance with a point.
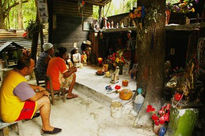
(100, 60)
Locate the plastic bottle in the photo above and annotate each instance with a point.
(139, 100)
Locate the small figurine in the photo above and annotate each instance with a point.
(76, 56)
(115, 76)
(84, 58)
(77, 59)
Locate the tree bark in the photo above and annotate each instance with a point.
(150, 53)
(2, 18)
(20, 16)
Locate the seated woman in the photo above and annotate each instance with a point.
(60, 75)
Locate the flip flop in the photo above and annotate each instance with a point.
(36, 115)
(55, 131)
(73, 96)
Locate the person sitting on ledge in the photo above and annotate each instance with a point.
(60, 75)
(20, 101)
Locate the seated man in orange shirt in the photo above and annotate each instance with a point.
(59, 73)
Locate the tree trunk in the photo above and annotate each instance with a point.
(2, 25)
(20, 16)
(2, 18)
(150, 53)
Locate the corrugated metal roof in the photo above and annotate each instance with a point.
(10, 45)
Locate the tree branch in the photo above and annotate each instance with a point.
(15, 4)
(3, 4)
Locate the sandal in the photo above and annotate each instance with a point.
(72, 96)
(55, 131)
(36, 115)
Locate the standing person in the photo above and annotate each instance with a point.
(59, 73)
(20, 101)
(43, 59)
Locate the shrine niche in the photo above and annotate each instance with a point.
(10, 52)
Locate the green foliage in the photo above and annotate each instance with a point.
(95, 12)
(28, 12)
(114, 8)
(33, 27)
(119, 7)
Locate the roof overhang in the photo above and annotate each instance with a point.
(95, 2)
(98, 2)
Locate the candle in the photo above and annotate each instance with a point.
(100, 60)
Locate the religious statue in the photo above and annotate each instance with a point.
(77, 59)
(115, 76)
(84, 58)
(76, 56)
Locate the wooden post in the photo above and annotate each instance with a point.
(6, 131)
(50, 21)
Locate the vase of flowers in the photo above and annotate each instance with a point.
(116, 59)
(159, 117)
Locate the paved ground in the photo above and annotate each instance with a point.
(85, 117)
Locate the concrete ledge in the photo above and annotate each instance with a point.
(95, 95)
(93, 86)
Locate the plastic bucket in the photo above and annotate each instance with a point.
(116, 109)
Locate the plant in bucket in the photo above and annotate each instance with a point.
(159, 117)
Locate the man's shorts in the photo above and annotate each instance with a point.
(28, 111)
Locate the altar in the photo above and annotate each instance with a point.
(92, 85)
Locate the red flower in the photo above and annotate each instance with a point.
(161, 122)
(166, 117)
(24, 34)
(161, 112)
(156, 122)
(155, 117)
(83, 2)
(168, 106)
(150, 108)
(178, 96)
(117, 87)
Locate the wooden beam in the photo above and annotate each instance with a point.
(94, 2)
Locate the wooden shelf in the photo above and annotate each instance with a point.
(188, 27)
(119, 29)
